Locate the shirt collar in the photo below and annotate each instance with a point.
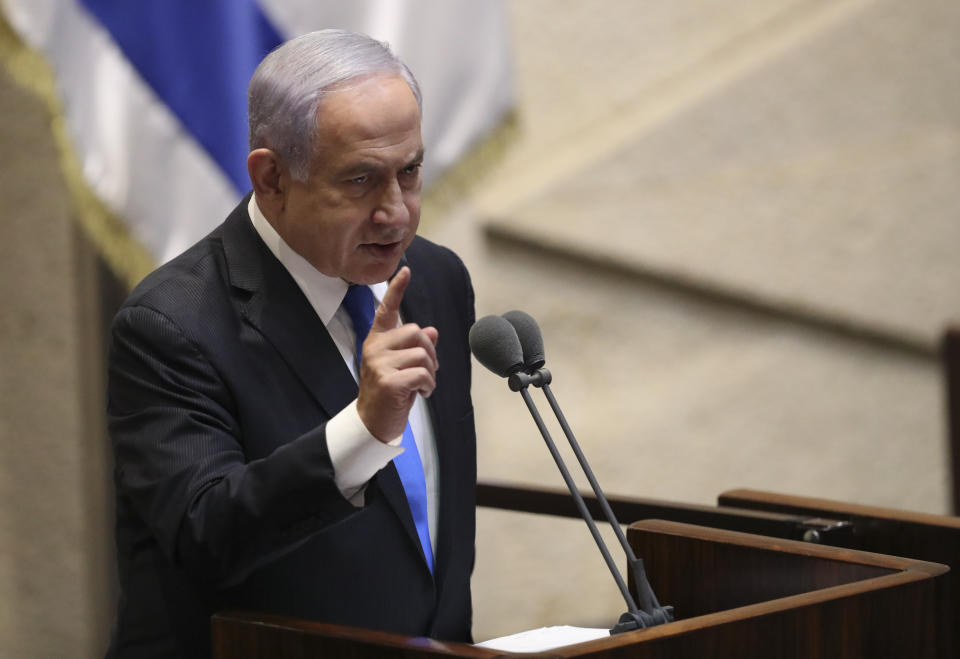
(324, 293)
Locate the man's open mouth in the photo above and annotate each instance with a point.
(384, 250)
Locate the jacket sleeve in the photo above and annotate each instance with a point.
(181, 465)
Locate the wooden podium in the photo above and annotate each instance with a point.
(890, 531)
(735, 595)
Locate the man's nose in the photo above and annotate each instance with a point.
(391, 208)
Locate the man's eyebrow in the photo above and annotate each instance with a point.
(364, 165)
(418, 158)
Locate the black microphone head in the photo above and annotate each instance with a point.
(494, 343)
(531, 341)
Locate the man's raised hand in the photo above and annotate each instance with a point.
(398, 363)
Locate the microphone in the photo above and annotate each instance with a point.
(530, 342)
(495, 344)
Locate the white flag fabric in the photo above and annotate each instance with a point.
(153, 92)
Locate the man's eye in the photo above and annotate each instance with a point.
(359, 180)
(412, 169)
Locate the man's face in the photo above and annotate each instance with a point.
(360, 207)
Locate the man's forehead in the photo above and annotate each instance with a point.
(375, 113)
(356, 93)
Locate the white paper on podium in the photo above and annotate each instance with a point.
(536, 640)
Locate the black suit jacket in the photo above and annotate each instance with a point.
(222, 378)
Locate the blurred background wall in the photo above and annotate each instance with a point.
(735, 222)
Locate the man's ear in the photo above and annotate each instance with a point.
(264, 168)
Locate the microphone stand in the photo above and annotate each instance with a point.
(649, 613)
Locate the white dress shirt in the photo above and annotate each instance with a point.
(355, 453)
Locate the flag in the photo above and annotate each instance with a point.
(152, 96)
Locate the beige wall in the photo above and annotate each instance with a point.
(55, 557)
(735, 222)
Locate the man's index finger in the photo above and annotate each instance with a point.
(388, 312)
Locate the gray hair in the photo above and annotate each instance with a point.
(286, 89)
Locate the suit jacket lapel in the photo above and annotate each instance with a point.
(421, 305)
(271, 301)
(414, 308)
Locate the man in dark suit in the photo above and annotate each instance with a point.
(257, 454)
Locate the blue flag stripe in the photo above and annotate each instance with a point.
(198, 57)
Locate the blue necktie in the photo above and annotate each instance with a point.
(359, 304)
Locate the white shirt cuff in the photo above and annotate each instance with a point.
(356, 454)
